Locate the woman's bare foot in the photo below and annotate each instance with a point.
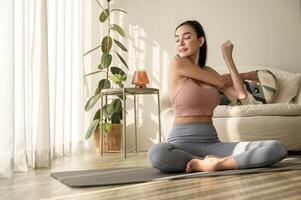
(208, 164)
(213, 156)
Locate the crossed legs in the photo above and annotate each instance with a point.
(168, 157)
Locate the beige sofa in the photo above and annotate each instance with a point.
(279, 120)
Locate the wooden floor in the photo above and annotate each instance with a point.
(37, 184)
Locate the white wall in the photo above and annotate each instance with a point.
(264, 32)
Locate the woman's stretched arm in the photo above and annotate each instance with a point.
(238, 86)
(185, 67)
(251, 76)
(230, 92)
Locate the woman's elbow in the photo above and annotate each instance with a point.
(224, 82)
(242, 95)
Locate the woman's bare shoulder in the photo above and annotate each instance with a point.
(208, 68)
(179, 61)
(174, 78)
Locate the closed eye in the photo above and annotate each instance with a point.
(186, 36)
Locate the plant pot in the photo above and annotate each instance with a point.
(112, 139)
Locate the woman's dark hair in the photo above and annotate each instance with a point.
(200, 33)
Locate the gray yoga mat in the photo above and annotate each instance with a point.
(105, 177)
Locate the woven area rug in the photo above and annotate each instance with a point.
(105, 177)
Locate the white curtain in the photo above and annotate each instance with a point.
(41, 83)
(66, 75)
(6, 88)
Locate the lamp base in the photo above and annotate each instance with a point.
(140, 86)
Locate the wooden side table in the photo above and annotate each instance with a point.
(124, 92)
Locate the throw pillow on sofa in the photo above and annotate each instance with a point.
(262, 92)
(289, 85)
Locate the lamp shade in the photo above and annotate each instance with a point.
(140, 79)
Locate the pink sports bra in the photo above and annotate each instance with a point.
(195, 100)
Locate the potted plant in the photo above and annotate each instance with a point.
(114, 76)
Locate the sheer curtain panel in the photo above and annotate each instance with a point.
(41, 83)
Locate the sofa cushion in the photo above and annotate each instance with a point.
(283, 128)
(288, 85)
(297, 99)
(258, 110)
(264, 91)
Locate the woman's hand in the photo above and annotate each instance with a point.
(238, 86)
(227, 49)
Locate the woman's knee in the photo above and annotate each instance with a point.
(275, 150)
(168, 157)
(159, 154)
(158, 151)
(280, 149)
(266, 153)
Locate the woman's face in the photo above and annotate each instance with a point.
(187, 42)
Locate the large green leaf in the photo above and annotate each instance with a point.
(91, 102)
(118, 75)
(118, 115)
(118, 28)
(110, 110)
(114, 107)
(117, 70)
(104, 15)
(100, 67)
(91, 50)
(117, 105)
(120, 45)
(116, 118)
(97, 91)
(121, 59)
(92, 127)
(104, 83)
(107, 127)
(96, 72)
(97, 115)
(105, 113)
(106, 60)
(106, 44)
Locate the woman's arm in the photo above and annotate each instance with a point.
(184, 67)
(238, 86)
(251, 76)
(230, 91)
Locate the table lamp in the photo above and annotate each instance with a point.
(140, 79)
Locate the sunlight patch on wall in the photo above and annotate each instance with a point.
(137, 46)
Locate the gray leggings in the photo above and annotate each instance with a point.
(196, 140)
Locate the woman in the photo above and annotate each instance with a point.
(194, 91)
